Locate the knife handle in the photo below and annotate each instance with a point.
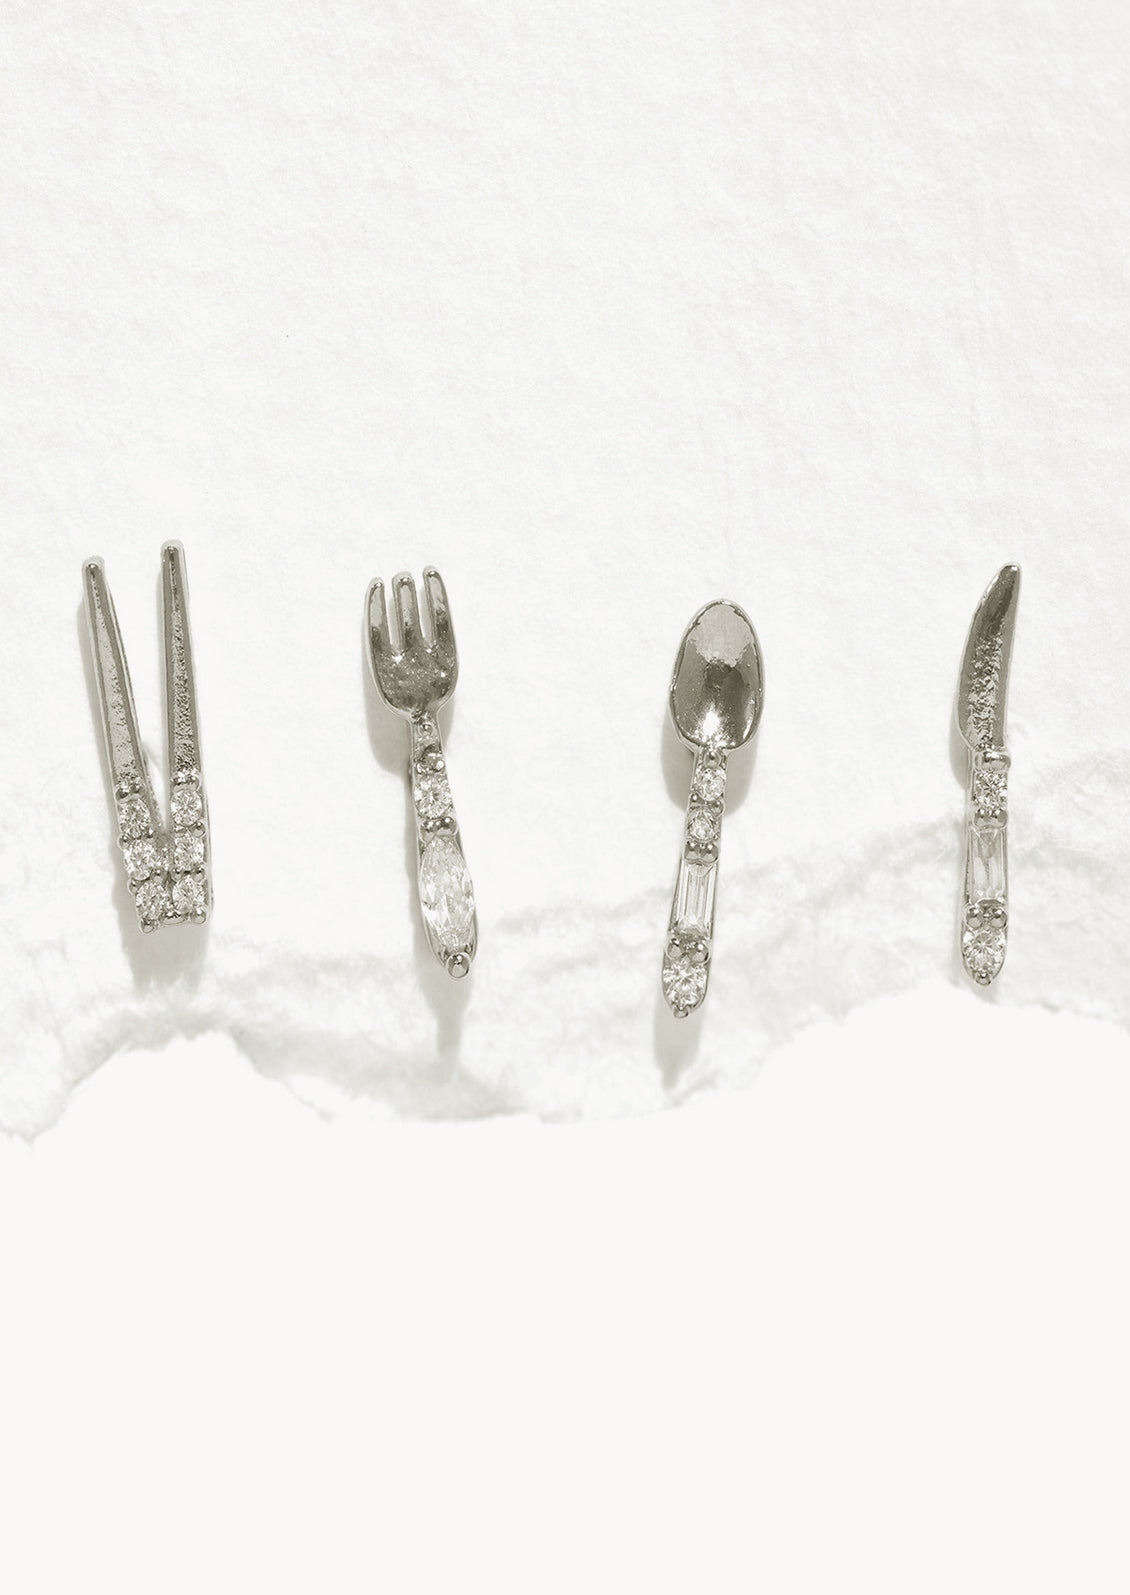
(447, 897)
(690, 932)
(984, 931)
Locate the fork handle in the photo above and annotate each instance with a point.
(690, 932)
(447, 897)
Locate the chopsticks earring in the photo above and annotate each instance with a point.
(167, 866)
(981, 719)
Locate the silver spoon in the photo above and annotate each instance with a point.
(716, 694)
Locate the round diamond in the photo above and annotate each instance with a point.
(701, 827)
(188, 895)
(188, 849)
(684, 985)
(983, 950)
(433, 795)
(710, 783)
(990, 794)
(133, 816)
(187, 804)
(142, 857)
(150, 899)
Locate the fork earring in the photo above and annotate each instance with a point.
(415, 679)
(168, 867)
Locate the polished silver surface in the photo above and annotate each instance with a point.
(167, 865)
(415, 674)
(981, 705)
(717, 690)
(983, 689)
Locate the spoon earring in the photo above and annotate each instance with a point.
(715, 700)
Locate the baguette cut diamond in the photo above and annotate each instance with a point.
(446, 895)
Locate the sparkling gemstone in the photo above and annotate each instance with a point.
(433, 794)
(447, 897)
(188, 849)
(188, 895)
(701, 827)
(142, 857)
(151, 899)
(684, 984)
(983, 950)
(186, 803)
(990, 791)
(133, 816)
(710, 783)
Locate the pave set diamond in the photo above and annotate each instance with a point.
(984, 685)
(168, 882)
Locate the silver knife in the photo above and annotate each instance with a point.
(981, 701)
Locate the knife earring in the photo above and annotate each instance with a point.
(981, 721)
(168, 867)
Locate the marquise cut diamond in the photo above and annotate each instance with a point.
(447, 897)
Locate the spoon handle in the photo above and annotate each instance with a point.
(690, 934)
(447, 897)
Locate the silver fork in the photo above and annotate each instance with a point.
(416, 676)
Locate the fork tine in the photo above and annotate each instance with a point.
(377, 618)
(407, 611)
(439, 614)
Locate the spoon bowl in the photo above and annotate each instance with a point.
(718, 685)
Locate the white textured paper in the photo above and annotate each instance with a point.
(606, 311)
